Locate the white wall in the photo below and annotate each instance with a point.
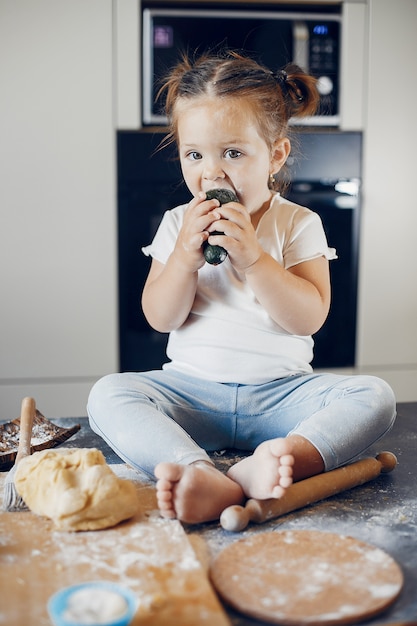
(387, 342)
(57, 203)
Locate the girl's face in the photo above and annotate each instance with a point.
(220, 146)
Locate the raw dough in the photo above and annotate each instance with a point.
(75, 488)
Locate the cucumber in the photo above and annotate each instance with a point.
(216, 254)
(222, 195)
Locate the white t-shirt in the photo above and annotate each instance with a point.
(228, 336)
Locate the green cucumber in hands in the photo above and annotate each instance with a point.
(216, 254)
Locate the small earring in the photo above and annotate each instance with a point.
(271, 179)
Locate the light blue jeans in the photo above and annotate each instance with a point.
(162, 415)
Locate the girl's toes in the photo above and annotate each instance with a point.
(287, 459)
(164, 496)
(285, 482)
(285, 470)
(163, 485)
(278, 491)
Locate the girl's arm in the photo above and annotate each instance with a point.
(168, 294)
(298, 299)
(169, 290)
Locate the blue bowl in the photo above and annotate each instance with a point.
(81, 605)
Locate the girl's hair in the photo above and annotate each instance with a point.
(275, 97)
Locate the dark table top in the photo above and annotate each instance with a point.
(382, 512)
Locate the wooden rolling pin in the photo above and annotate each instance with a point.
(305, 492)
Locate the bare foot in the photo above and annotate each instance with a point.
(194, 493)
(268, 472)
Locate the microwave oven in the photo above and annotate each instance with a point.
(275, 38)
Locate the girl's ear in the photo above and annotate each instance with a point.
(280, 152)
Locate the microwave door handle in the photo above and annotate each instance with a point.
(301, 45)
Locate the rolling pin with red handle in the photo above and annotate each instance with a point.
(305, 492)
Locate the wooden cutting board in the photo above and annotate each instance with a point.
(306, 577)
(150, 555)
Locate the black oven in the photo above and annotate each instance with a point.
(273, 37)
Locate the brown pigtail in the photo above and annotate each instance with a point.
(299, 90)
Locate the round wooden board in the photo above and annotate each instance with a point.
(297, 577)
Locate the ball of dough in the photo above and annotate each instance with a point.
(75, 488)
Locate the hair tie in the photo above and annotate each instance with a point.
(281, 76)
(296, 90)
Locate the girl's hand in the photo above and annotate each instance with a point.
(239, 237)
(198, 219)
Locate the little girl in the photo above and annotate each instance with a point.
(240, 343)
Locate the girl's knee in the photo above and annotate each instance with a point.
(102, 393)
(382, 391)
(381, 399)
